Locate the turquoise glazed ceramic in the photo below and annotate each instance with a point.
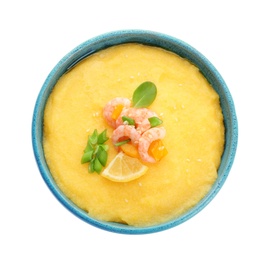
(154, 39)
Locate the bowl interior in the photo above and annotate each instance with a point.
(154, 39)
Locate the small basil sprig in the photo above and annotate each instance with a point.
(96, 151)
(144, 95)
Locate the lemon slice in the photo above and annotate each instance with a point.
(124, 168)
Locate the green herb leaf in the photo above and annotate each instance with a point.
(95, 152)
(87, 156)
(144, 95)
(88, 148)
(102, 156)
(102, 138)
(105, 147)
(122, 142)
(155, 121)
(129, 120)
(93, 138)
(91, 166)
(97, 165)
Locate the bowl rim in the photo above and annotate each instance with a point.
(149, 38)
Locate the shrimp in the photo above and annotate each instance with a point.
(145, 141)
(111, 107)
(124, 132)
(140, 116)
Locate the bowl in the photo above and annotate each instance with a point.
(148, 38)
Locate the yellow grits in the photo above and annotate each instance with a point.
(191, 114)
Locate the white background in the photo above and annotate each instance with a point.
(233, 35)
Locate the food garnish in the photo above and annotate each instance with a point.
(96, 151)
(155, 121)
(122, 142)
(128, 120)
(144, 95)
(124, 168)
(128, 137)
(157, 150)
(130, 150)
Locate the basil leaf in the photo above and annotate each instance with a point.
(155, 121)
(144, 95)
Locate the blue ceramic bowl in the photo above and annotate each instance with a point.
(149, 38)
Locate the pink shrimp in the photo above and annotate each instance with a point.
(124, 132)
(146, 139)
(110, 108)
(140, 116)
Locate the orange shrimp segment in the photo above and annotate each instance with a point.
(117, 110)
(157, 150)
(130, 150)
